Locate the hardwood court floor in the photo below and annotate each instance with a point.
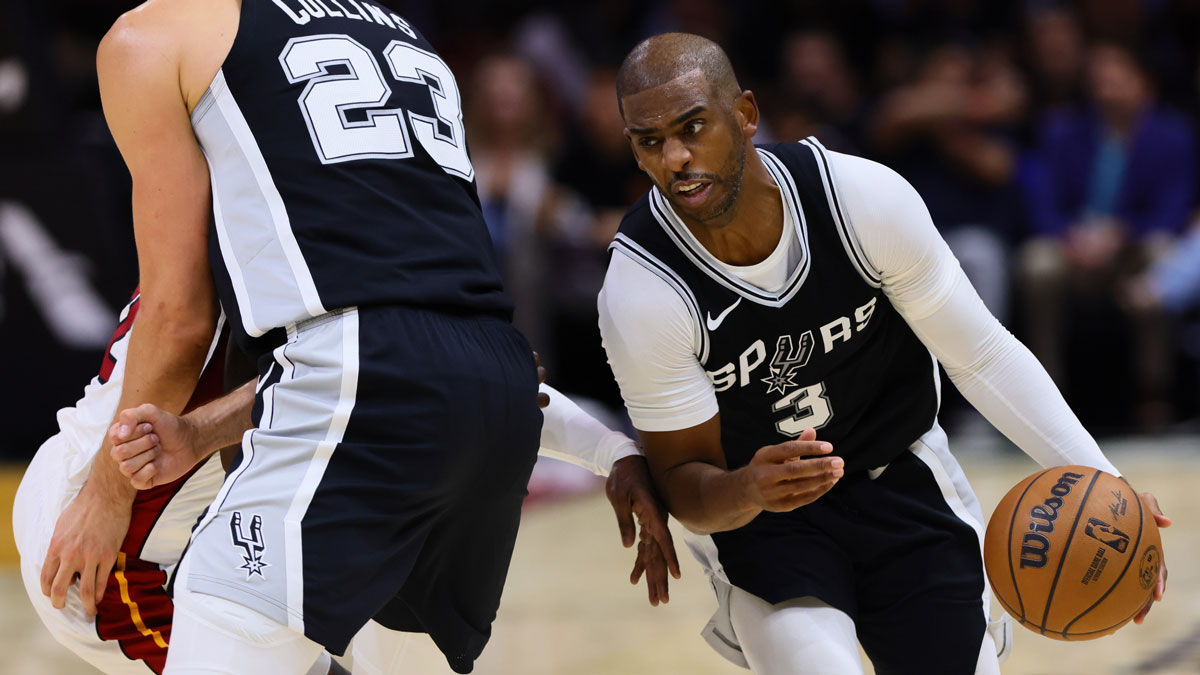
(568, 608)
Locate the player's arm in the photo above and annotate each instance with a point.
(139, 82)
(688, 466)
(570, 434)
(648, 335)
(992, 369)
(154, 446)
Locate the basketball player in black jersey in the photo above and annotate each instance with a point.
(775, 316)
(309, 158)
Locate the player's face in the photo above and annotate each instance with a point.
(692, 146)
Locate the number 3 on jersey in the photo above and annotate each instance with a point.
(809, 407)
(384, 134)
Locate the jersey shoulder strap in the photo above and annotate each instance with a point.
(809, 163)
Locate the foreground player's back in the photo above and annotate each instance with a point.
(339, 166)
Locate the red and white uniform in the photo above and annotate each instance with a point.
(131, 632)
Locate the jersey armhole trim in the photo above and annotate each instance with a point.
(626, 246)
(849, 240)
(209, 99)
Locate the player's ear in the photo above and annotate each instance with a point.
(745, 111)
(633, 148)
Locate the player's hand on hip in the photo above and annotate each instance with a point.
(1149, 501)
(631, 492)
(84, 546)
(789, 475)
(151, 446)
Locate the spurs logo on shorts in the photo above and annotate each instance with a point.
(252, 545)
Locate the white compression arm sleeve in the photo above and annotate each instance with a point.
(923, 280)
(572, 435)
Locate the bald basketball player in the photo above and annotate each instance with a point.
(776, 316)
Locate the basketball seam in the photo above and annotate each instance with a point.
(1011, 572)
(1102, 630)
(1062, 560)
(1128, 562)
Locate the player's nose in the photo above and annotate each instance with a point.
(676, 156)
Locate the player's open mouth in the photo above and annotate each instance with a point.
(692, 192)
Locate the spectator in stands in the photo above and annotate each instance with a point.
(1054, 54)
(1119, 179)
(597, 170)
(510, 140)
(818, 92)
(948, 131)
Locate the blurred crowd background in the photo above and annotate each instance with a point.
(1053, 142)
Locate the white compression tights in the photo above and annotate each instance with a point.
(214, 636)
(808, 636)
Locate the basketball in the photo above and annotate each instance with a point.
(1072, 553)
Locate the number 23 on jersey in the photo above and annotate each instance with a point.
(359, 84)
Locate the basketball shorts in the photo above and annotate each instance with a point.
(130, 633)
(384, 479)
(898, 549)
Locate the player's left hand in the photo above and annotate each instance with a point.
(631, 492)
(1162, 521)
(86, 540)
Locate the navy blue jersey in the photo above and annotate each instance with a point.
(340, 172)
(826, 351)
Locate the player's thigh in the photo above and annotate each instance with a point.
(922, 601)
(798, 636)
(214, 636)
(929, 633)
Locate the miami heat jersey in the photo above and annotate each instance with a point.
(339, 168)
(826, 351)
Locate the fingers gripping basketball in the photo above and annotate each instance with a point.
(1072, 553)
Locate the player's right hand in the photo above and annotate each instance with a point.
(789, 475)
(152, 447)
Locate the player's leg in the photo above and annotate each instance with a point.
(803, 635)
(380, 651)
(454, 589)
(52, 479)
(923, 606)
(367, 439)
(215, 636)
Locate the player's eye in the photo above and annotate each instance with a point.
(647, 142)
(693, 127)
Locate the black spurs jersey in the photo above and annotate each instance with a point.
(827, 351)
(340, 173)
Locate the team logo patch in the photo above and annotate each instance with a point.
(252, 546)
(1106, 534)
(789, 357)
(1148, 571)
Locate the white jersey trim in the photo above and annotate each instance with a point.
(706, 262)
(293, 520)
(279, 215)
(849, 240)
(642, 257)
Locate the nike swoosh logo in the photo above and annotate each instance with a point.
(714, 324)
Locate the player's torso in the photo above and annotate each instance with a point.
(826, 351)
(339, 168)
